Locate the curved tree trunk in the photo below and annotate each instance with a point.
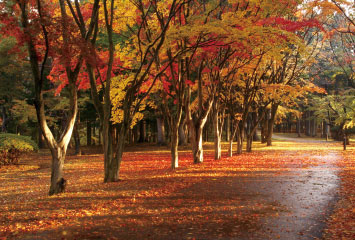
(58, 147)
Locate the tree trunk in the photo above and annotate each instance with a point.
(327, 131)
(161, 132)
(110, 165)
(135, 134)
(119, 150)
(4, 120)
(264, 127)
(57, 181)
(228, 128)
(256, 122)
(41, 140)
(88, 133)
(253, 129)
(314, 126)
(231, 139)
(196, 142)
(142, 131)
(308, 124)
(271, 123)
(77, 138)
(182, 133)
(217, 129)
(100, 135)
(174, 147)
(344, 141)
(298, 127)
(240, 138)
(93, 135)
(249, 142)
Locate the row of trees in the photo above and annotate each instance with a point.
(186, 59)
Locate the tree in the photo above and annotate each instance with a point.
(40, 32)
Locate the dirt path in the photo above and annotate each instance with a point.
(294, 204)
(308, 195)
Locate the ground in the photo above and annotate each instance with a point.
(296, 189)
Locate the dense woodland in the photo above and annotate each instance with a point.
(174, 72)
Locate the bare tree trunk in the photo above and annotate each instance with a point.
(217, 138)
(230, 147)
(88, 133)
(142, 131)
(196, 142)
(4, 119)
(249, 142)
(298, 127)
(314, 126)
(217, 129)
(57, 181)
(110, 165)
(228, 128)
(77, 138)
(182, 133)
(100, 135)
(240, 137)
(264, 127)
(93, 134)
(161, 132)
(174, 147)
(271, 121)
(308, 124)
(41, 140)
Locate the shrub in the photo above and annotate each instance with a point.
(12, 145)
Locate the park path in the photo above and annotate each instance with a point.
(307, 196)
(294, 204)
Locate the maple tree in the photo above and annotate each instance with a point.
(45, 30)
(138, 54)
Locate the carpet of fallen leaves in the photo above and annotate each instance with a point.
(151, 201)
(341, 224)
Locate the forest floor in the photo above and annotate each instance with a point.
(292, 190)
